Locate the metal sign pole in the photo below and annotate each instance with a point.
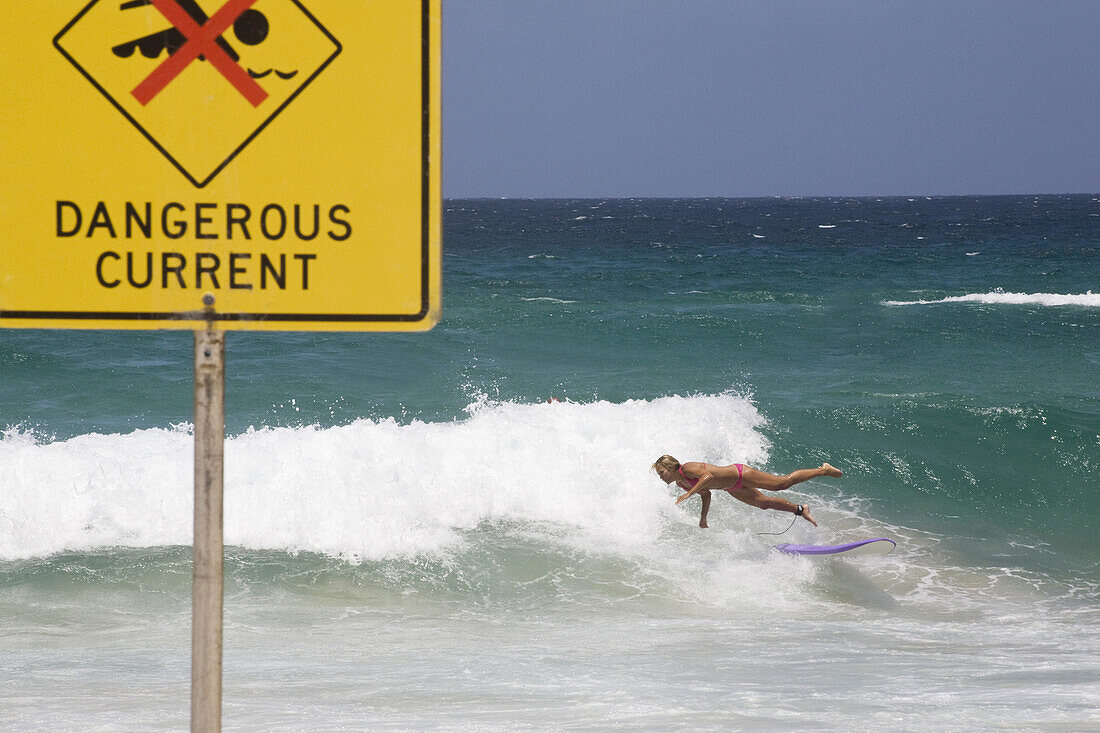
(206, 578)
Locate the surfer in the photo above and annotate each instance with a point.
(740, 481)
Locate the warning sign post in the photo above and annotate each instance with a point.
(213, 165)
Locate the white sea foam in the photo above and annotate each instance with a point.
(999, 297)
(562, 477)
(375, 488)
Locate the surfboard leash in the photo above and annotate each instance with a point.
(795, 519)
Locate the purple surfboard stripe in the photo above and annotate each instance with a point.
(828, 549)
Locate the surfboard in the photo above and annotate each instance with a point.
(834, 549)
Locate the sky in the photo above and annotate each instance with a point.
(693, 98)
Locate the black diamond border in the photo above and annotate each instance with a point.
(150, 138)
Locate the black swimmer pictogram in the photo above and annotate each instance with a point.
(250, 28)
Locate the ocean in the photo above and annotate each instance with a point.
(459, 530)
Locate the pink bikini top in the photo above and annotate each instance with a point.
(691, 481)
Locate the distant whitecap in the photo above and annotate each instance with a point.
(1086, 300)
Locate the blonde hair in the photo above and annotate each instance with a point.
(666, 461)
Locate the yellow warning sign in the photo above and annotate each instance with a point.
(280, 158)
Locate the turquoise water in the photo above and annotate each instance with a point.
(419, 540)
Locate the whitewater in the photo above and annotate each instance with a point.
(371, 489)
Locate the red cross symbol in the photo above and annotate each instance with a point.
(201, 41)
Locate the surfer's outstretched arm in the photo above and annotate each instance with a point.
(705, 496)
(700, 485)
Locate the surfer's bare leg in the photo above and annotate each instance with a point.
(753, 497)
(755, 479)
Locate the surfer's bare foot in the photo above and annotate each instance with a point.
(830, 471)
(806, 515)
